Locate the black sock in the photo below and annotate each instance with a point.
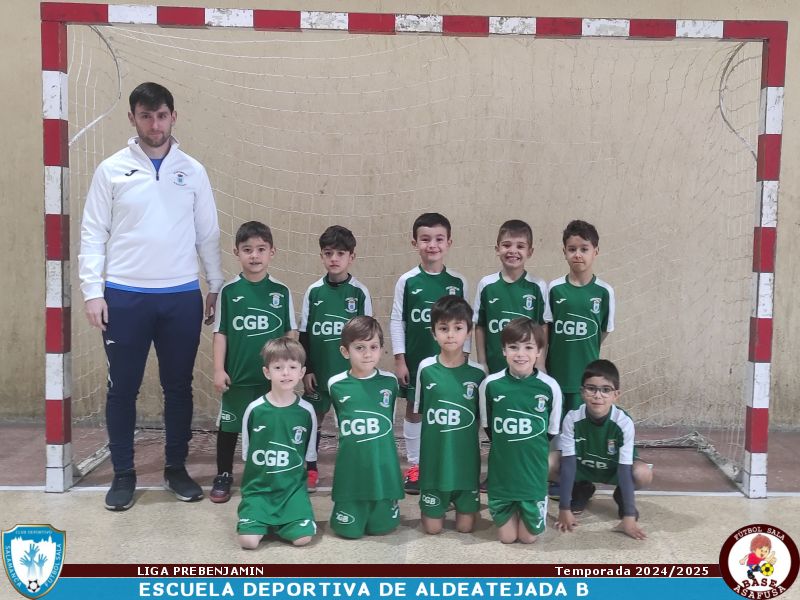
(226, 448)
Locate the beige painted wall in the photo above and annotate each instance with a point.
(22, 327)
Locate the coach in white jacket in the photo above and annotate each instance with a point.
(149, 214)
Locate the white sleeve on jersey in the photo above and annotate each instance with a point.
(566, 441)
(246, 425)
(367, 298)
(628, 433)
(397, 327)
(311, 451)
(304, 310)
(292, 318)
(612, 304)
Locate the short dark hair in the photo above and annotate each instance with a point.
(253, 229)
(283, 348)
(338, 238)
(361, 328)
(602, 368)
(522, 329)
(451, 308)
(582, 229)
(430, 220)
(151, 96)
(515, 227)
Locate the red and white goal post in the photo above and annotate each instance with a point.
(57, 16)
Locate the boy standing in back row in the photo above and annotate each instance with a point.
(328, 304)
(412, 341)
(582, 313)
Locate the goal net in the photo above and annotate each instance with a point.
(651, 141)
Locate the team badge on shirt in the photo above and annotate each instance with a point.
(386, 396)
(528, 298)
(541, 402)
(351, 305)
(180, 178)
(471, 386)
(298, 434)
(596, 305)
(452, 290)
(611, 447)
(276, 299)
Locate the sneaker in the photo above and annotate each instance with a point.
(177, 481)
(120, 495)
(411, 481)
(553, 490)
(483, 486)
(618, 500)
(582, 492)
(311, 482)
(221, 489)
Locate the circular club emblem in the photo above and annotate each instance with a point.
(759, 561)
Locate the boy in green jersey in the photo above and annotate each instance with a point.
(327, 305)
(521, 407)
(597, 445)
(447, 398)
(366, 482)
(410, 321)
(252, 309)
(582, 312)
(277, 440)
(511, 293)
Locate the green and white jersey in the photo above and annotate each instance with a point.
(326, 308)
(249, 315)
(276, 443)
(598, 447)
(414, 294)
(497, 302)
(520, 412)
(579, 316)
(367, 467)
(447, 399)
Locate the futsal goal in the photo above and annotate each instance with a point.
(665, 134)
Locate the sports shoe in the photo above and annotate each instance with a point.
(553, 490)
(582, 491)
(177, 481)
(618, 500)
(411, 481)
(120, 495)
(311, 482)
(221, 489)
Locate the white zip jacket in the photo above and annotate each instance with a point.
(145, 230)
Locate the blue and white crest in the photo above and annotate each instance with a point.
(541, 403)
(611, 446)
(33, 556)
(469, 393)
(351, 304)
(180, 178)
(529, 299)
(276, 299)
(386, 396)
(452, 290)
(596, 305)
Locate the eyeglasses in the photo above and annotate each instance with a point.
(605, 390)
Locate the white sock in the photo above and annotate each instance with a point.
(412, 433)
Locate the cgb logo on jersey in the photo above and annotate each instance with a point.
(367, 428)
(541, 402)
(519, 428)
(451, 419)
(576, 329)
(452, 290)
(386, 398)
(33, 556)
(469, 393)
(227, 417)
(262, 323)
(595, 305)
(528, 301)
(759, 561)
(280, 456)
(277, 298)
(299, 430)
(611, 447)
(351, 305)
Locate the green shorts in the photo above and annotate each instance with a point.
(532, 512)
(321, 401)
(434, 503)
(293, 519)
(409, 392)
(352, 519)
(234, 403)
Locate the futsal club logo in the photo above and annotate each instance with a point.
(33, 556)
(759, 561)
